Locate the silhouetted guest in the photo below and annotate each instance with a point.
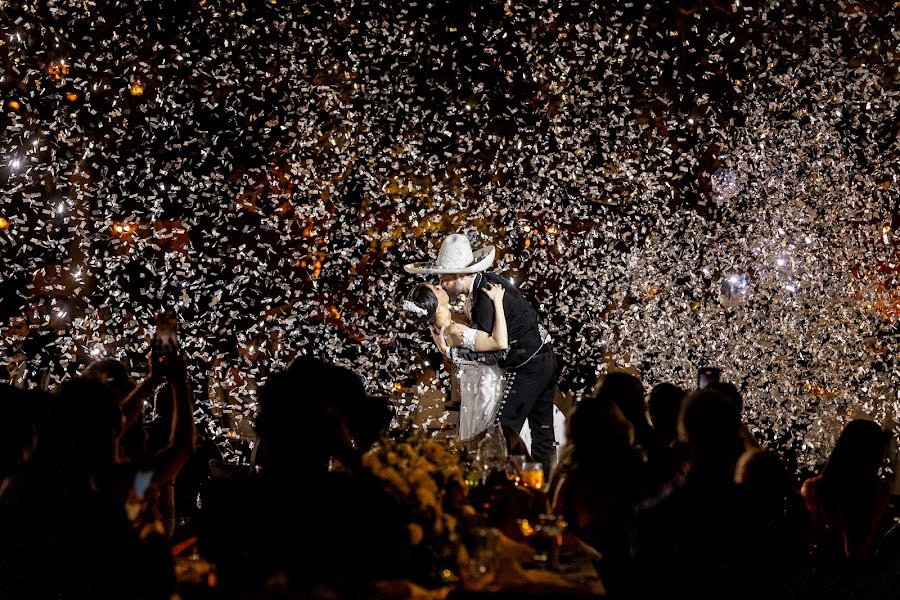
(311, 516)
(113, 373)
(847, 501)
(732, 393)
(20, 409)
(63, 538)
(627, 392)
(600, 479)
(664, 405)
(697, 539)
(778, 513)
(158, 457)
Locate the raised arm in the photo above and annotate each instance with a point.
(133, 404)
(180, 445)
(168, 462)
(460, 336)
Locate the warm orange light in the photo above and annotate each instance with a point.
(137, 89)
(4, 223)
(57, 71)
(119, 228)
(71, 96)
(335, 313)
(533, 478)
(526, 528)
(14, 104)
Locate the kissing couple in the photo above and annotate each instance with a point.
(504, 362)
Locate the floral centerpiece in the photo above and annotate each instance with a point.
(428, 477)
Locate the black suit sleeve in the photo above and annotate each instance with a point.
(462, 356)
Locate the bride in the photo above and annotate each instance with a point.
(480, 385)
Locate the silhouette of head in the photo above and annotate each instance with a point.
(764, 475)
(111, 372)
(709, 424)
(85, 421)
(627, 392)
(599, 431)
(730, 391)
(315, 411)
(664, 405)
(853, 465)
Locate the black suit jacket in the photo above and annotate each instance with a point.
(522, 325)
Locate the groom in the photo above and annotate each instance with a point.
(529, 363)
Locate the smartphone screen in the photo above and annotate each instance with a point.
(708, 375)
(166, 337)
(142, 481)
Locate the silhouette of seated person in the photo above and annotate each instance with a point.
(63, 538)
(311, 515)
(599, 480)
(778, 513)
(664, 405)
(20, 409)
(848, 500)
(698, 538)
(730, 391)
(627, 392)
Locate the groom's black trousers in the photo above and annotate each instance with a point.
(530, 396)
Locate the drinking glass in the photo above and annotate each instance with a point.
(514, 469)
(482, 551)
(545, 537)
(533, 475)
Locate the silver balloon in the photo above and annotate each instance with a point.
(725, 185)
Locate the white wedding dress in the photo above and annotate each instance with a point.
(481, 389)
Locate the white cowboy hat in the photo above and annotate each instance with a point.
(455, 257)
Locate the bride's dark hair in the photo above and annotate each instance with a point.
(424, 299)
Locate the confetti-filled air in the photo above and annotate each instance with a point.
(704, 184)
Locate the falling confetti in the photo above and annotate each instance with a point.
(673, 185)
